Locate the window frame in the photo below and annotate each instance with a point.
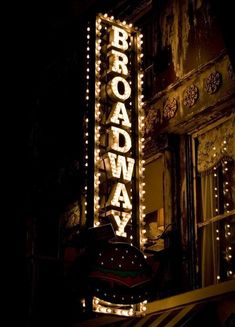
(220, 217)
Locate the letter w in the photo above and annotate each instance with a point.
(117, 164)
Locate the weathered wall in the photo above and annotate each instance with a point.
(191, 80)
(187, 34)
(190, 83)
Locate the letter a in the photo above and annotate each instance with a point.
(119, 194)
(119, 113)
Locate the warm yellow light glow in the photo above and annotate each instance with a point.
(119, 195)
(119, 115)
(118, 62)
(114, 91)
(110, 308)
(114, 140)
(117, 165)
(121, 219)
(118, 38)
(115, 125)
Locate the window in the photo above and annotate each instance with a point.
(158, 200)
(154, 203)
(215, 202)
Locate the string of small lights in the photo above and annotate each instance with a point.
(226, 211)
(87, 104)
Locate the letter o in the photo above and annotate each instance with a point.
(113, 91)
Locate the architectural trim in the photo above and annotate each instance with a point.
(203, 294)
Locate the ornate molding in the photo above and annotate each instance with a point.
(231, 73)
(192, 75)
(150, 121)
(208, 92)
(170, 108)
(213, 82)
(191, 95)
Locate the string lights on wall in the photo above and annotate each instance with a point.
(227, 209)
(223, 228)
(216, 193)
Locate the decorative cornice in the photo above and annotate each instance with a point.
(187, 77)
(170, 108)
(204, 96)
(213, 82)
(191, 95)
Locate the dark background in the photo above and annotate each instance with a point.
(42, 136)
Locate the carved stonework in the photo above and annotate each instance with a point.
(231, 73)
(150, 121)
(72, 215)
(213, 82)
(170, 108)
(191, 96)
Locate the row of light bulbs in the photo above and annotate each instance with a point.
(102, 306)
(87, 103)
(97, 122)
(228, 250)
(227, 227)
(110, 19)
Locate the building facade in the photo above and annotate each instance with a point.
(189, 152)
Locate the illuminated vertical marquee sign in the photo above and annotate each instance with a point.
(114, 138)
(118, 130)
